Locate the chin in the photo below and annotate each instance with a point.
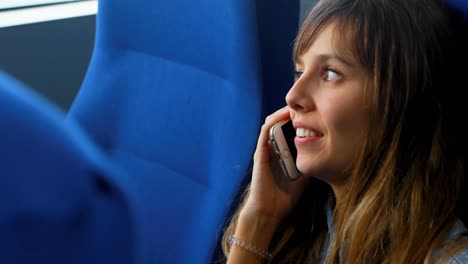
(312, 167)
(305, 166)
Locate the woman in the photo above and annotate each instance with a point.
(372, 104)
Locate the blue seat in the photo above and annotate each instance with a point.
(61, 199)
(147, 163)
(175, 94)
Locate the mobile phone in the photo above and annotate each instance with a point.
(282, 138)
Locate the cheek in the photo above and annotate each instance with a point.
(346, 124)
(345, 117)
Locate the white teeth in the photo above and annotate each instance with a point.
(302, 132)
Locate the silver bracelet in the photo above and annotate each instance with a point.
(250, 247)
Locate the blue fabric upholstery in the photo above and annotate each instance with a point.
(60, 198)
(174, 95)
(171, 108)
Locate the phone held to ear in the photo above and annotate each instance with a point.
(282, 138)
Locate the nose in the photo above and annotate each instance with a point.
(298, 98)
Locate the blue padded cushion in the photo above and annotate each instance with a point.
(174, 96)
(60, 198)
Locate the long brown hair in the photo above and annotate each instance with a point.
(401, 197)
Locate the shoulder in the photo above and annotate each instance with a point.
(460, 258)
(458, 233)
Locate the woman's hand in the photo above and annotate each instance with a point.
(272, 195)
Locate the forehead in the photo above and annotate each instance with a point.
(321, 43)
(331, 40)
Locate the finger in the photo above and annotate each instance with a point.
(263, 139)
(280, 111)
(280, 115)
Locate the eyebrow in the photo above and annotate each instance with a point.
(327, 56)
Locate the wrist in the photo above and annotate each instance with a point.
(255, 228)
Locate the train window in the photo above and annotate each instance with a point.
(14, 4)
(21, 12)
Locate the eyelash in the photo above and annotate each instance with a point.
(298, 74)
(328, 69)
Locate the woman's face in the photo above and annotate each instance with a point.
(328, 110)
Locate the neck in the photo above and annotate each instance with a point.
(338, 190)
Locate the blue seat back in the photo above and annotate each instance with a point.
(174, 94)
(61, 200)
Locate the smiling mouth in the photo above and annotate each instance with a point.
(304, 133)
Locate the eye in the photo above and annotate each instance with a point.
(330, 74)
(297, 74)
